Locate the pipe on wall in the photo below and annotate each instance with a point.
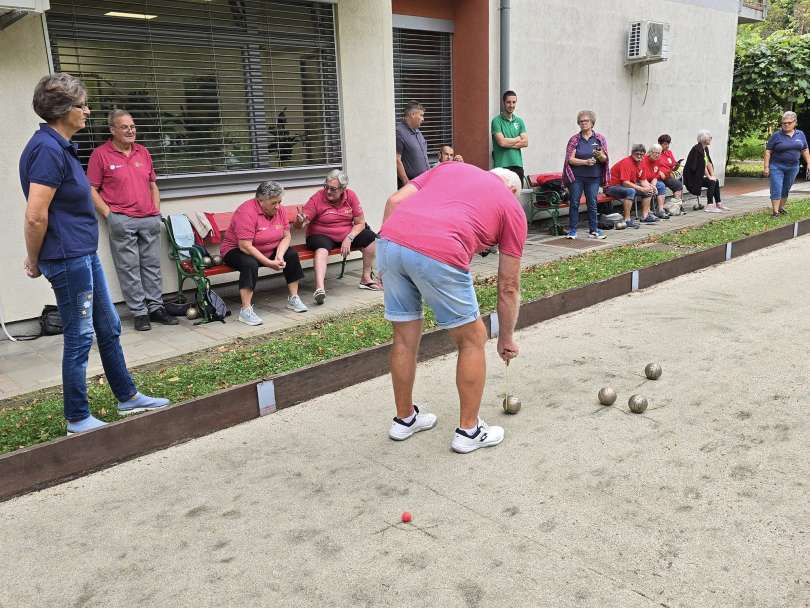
(505, 11)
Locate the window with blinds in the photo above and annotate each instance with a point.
(213, 85)
(423, 72)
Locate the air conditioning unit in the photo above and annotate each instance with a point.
(647, 42)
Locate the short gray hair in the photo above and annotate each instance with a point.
(56, 95)
(789, 115)
(587, 113)
(638, 148)
(655, 148)
(339, 175)
(703, 136)
(509, 177)
(413, 106)
(117, 113)
(269, 189)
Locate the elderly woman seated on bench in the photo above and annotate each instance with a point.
(259, 235)
(334, 218)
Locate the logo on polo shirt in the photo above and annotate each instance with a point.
(113, 167)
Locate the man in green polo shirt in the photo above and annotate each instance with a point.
(509, 136)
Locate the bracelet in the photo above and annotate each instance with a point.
(350, 237)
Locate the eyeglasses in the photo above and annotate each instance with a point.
(127, 127)
(584, 120)
(788, 122)
(81, 106)
(332, 188)
(638, 153)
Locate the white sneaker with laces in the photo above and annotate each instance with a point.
(249, 317)
(295, 303)
(400, 431)
(485, 436)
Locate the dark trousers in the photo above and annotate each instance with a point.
(248, 267)
(519, 171)
(712, 190)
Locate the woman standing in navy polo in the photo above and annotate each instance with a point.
(782, 153)
(584, 170)
(61, 237)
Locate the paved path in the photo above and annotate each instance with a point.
(701, 502)
(27, 366)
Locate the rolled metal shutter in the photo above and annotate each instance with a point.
(423, 72)
(213, 86)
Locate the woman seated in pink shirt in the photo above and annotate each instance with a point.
(334, 218)
(259, 235)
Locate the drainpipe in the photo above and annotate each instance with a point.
(505, 12)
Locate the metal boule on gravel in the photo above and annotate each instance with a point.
(637, 404)
(192, 313)
(607, 396)
(511, 404)
(620, 225)
(653, 371)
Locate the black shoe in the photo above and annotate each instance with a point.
(142, 323)
(161, 316)
(783, 211)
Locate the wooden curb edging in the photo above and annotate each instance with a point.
(59, 460)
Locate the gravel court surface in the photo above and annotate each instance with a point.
(701, 501)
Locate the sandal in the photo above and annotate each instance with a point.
(371, 286)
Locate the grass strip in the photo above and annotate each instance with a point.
(38, 417)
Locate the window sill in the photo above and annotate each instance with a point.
(206, 184)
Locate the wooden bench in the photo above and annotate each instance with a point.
(190, 264)
(552, 202)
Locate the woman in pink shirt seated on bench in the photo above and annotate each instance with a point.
(334, 218)
(259, 235)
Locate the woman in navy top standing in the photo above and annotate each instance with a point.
(782, 153)
(61, 237)
(584, 170)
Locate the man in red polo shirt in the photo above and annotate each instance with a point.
(629, 181)
(122, 182)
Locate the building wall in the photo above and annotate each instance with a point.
(367, 99)
(23, 62)
(570, 56)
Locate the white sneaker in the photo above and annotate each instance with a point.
(319, 295)
(249, 317)
(400, 431)
(295, 303)
(485, 436)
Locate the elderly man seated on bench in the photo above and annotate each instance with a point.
(628, 182)
(334, 218)
(259, 235)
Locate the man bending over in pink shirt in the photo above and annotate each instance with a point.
(431, 229)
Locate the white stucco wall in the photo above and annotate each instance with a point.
(367, 99)
(23, 62)
(568, 56)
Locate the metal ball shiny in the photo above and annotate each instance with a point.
(620, 225)
(192, 313)
(216, 260)
(637, 404)
(207, 260)
(607, 396)
(511, 404)
(653, 371)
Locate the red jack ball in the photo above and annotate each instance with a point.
(406, 517)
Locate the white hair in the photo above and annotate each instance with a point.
(510, 178)
(703, 136)
(655, 148)
(789, 115)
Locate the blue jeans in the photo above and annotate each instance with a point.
(782, 179)
(84, 305)
(590, 185)
(409, 276)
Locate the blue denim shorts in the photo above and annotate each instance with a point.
(409, 276)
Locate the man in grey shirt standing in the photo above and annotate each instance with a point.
(412, 157)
